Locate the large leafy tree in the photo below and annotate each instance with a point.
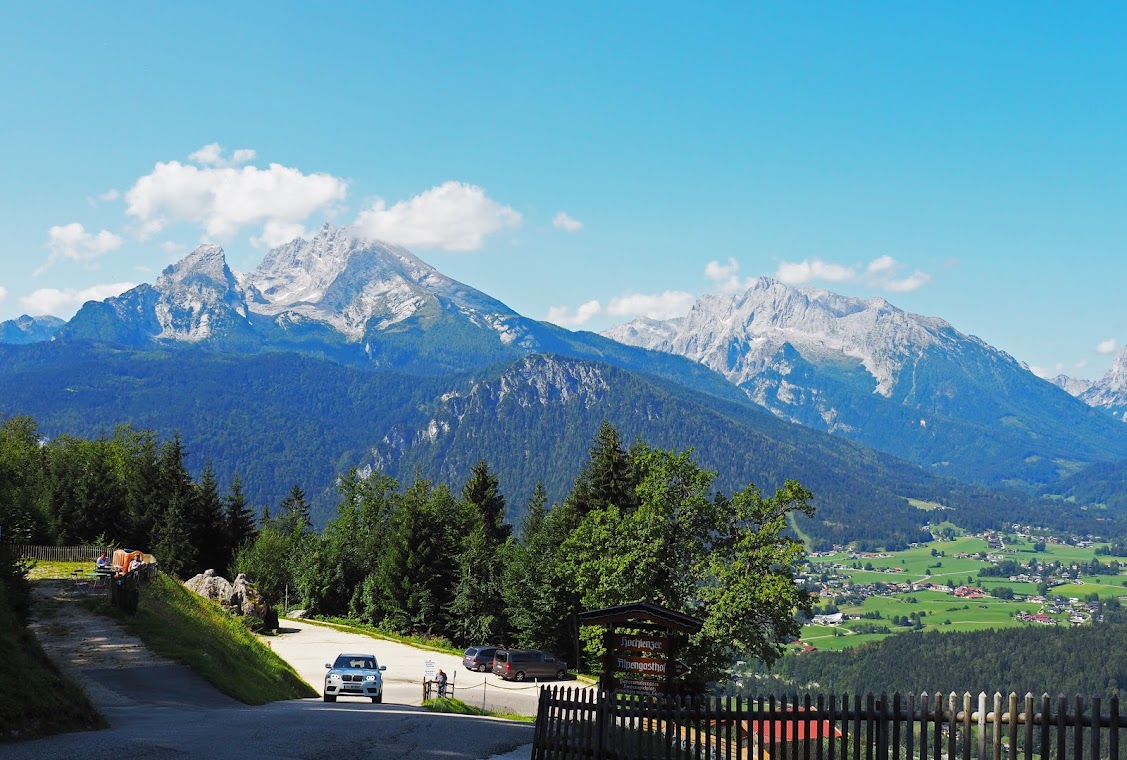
(23, 518)
(679, 543)
(331, 577)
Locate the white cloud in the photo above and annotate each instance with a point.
(799, 272)
(1106, 346)
(1046, 373)
(915, 281)
(73, 242)
(106, 197)
(65, 301)
(562, 221)
(562, 316)
(724, 275)
(671, 303)
(173, 248)
(881, 264)
(880, 273)
(212, 155)
(453, 216)
(224, 199)
(3, 293)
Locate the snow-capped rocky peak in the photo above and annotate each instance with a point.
(196, 293)
(739, 334)
(1071, 385)
(354, 284)
(204, 267)
(1110, 391)
(1117, 376)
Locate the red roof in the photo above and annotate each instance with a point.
(784, 730)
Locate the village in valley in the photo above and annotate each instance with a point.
(960, 581)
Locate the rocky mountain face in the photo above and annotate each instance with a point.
(896, 381)
(1110, 391)
(337, 295)
(355, 301)
(25, 329)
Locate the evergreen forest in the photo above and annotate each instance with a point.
(419, 558)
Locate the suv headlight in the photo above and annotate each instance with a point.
(369, 678)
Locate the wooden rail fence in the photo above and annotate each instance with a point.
(589, 724)
(82, 553)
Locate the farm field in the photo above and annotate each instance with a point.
(872, 590)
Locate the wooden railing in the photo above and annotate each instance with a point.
(588, 724)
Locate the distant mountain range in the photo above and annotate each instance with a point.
(1108, 393)
(338, 352)
(898, 382)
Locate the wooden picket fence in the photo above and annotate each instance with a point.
(81, 553)
(586, 723)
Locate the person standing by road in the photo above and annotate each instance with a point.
(440, 679)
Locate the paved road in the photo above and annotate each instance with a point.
(307, 729)
(308, 646)
(160, 709)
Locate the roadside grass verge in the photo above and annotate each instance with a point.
(37, 699)
(174, 622)
(429, 643)
(458, 707)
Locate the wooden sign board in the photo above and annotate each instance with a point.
(629, 642)
(641, 666)
(639, 687)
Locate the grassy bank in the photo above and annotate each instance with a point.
(37, 700)
(457, 706)
(174, 622)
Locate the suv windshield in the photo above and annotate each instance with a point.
(354, 662)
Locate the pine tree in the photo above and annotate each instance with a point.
(238, 520)
(209, 534)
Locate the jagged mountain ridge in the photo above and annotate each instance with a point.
(1108, 393)
(896, 381)
(27, 329)
(356, 301)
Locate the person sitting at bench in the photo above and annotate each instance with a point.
(103, 562)
(136, 563)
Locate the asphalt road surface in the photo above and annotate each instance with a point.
(308, 647)
(160, 709)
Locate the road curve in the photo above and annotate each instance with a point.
(161, 709)
(308, 647)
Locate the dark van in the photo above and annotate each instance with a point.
(524, 664)
(479, 658)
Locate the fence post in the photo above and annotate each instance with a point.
(1113, 732)
(982, 725)
(538, 727)
(968, 712)
(1013, 724)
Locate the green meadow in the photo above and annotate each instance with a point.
(940, 610)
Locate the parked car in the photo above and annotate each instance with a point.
(354, 675)
(479, 658)
(522, 664)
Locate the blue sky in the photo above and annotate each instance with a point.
(588, 162)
